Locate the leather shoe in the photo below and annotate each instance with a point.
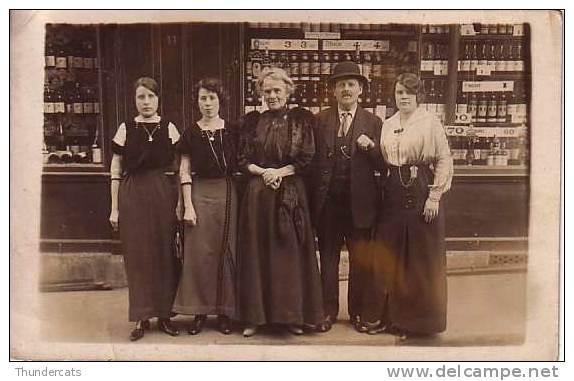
(295, 329)
(359, 325)
(166, 326)
(197, 325)
(250, 331)
(327, 324)
(138, 332)
(375, 329)
(224, 325)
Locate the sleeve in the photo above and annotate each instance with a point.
(307, 150)
(443, 163)
(173, 133)
(246, 140)
(119, 140)
(183, 145)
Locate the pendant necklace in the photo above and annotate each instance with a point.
(150, 134)
(211, 138)
(413, 168)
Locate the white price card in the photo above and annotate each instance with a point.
(455, 130)
(487, 86)
(323, 35)
(483, 70)
(462, 118)
(283, 44)
(362, 45)
(467, 30)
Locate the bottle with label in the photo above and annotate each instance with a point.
(96, 151)
(483, 54)
(58, 99)
(519, 59)
(492, 29)
(50, 55)
(500, 59)
(377, 66)
(294, 64)
(304, 95)
(482, 110)
(462, 103)
(501, 109)
(78, 101)
(315, 105)
(492, 108)
(521, 108)
(473, 107)
(469, 154)
(368, 98)
(325, 95)
(474, 59)
(477, 147)
(304, 67)
(88, 101)
(367, 66)
(48, 100)
(491, 56)
(466, 58)
(89, 54)
(325, 65)
(315, 67)
(61, 57)
(432, 99)
(335, 61)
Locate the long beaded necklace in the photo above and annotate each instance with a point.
(210, 139)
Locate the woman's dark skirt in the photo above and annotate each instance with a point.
(409, 257)
(207, 284)
(279, 279)
(147, 220)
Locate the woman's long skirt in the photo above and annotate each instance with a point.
(409, 257)
(147, 220)
(279, 279)
(207, 283)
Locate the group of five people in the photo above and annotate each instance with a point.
(342, 176)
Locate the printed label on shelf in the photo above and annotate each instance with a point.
(485, 132)
(323, 35)
(362, 45)
(467, 30)
(439, 68)
(283, 44)
(484, 69)
(487, 86)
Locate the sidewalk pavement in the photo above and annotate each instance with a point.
(483, 310)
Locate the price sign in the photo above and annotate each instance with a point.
(455, 130)
(439, 68)
(467, 30)
(483, 70)
(362, 45)
(282, 44)
(323, 35)
(462, 118)
(487, 86)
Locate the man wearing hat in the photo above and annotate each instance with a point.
(344, 192)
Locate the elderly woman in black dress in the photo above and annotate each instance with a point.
(409, 255)
(208, 162)
(279, 280)
(143, 203)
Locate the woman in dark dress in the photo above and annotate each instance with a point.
(279, 280)
(208, 162)
(409, 255)
(143, 203)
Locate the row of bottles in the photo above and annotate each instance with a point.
(493, 107)
(76, 51)
(487, 151)
(498, 29)
(317, 65)
(501, 56)
(71, 99)
(323, 27)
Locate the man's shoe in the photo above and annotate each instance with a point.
(224, 325)
(326, 324)
(295, 329)
(359, 325)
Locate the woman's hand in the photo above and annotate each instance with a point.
(431, 210)
(190, 217)
(365, 143)
(271, 178)
(114, 216)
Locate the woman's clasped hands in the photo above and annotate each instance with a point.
(272, 178)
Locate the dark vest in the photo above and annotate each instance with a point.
(341, 179)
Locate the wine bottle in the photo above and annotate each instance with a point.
(482, 109)
(491, 113)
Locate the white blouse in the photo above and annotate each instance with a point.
(120, 136)
(421, 140)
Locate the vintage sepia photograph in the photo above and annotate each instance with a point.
(285, 185)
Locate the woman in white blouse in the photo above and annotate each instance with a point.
(409, 249)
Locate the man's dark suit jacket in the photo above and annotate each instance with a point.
(365, 191)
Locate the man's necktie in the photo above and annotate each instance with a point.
(345, 124)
